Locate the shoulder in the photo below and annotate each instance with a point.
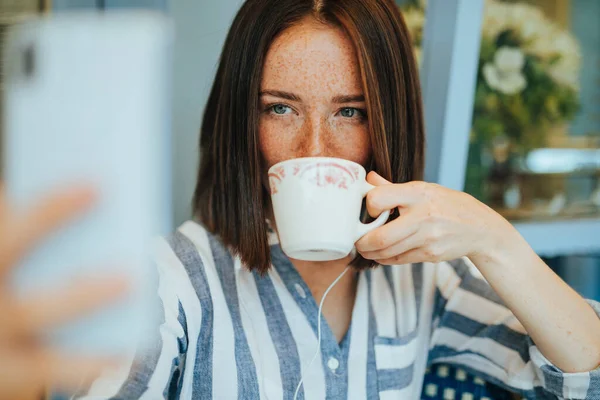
(192, 251)
(192, 264)
(195, 247)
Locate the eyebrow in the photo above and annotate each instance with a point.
(340, 99)
(357, 98)
(281, 94)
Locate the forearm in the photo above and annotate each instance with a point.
(441, 224)
(563, 326)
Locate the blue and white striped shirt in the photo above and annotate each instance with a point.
(228, 333)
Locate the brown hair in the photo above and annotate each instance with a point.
(230, 199)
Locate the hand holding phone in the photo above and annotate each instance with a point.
(27, 367)
(87, 101)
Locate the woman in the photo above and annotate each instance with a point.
(337, 78)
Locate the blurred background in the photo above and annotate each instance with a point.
(512, 101)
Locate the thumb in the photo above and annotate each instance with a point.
(377, 180)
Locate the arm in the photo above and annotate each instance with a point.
(438, 224)
(473, 327)
(564, 327)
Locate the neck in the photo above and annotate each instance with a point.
(338, 306)
(319, 275)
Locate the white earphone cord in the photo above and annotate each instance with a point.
(319, 329)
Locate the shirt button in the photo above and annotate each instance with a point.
(333, 363)
(300, 291)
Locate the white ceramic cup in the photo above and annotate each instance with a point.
(317, 203)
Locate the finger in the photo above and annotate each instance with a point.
(389, 234)
(413, 241)
(68, 374)
(26, 374)
(21, 231)
(414, 256)
(16, 381)
(390, 196)
(63, 372)
(377, 180)
(52, 309)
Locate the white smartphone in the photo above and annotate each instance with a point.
(87, 100)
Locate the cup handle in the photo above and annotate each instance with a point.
(363, 229)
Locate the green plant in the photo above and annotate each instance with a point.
(527, 77)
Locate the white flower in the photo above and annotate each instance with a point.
(519, 17)
(565, 73)
(495, 18)
(557, 43)
(520, 13)
(511, 83)
(505, 74)
(540, 37)
(509, 59)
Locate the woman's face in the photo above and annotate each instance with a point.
(312, 101)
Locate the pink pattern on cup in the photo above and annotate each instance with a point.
(280, 171)
(323, 174)
(330, 174)
(274, 181)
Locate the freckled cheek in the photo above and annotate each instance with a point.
(276, 143)
(354, 145)
(281, 141)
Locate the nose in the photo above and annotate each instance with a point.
(314, 138)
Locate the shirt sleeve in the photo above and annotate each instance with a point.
(473, 328)
(157, 371)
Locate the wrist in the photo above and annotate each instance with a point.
(501, 245)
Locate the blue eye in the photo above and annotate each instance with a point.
(351, 112)
(280, 109)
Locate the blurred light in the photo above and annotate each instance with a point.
(561, 161)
